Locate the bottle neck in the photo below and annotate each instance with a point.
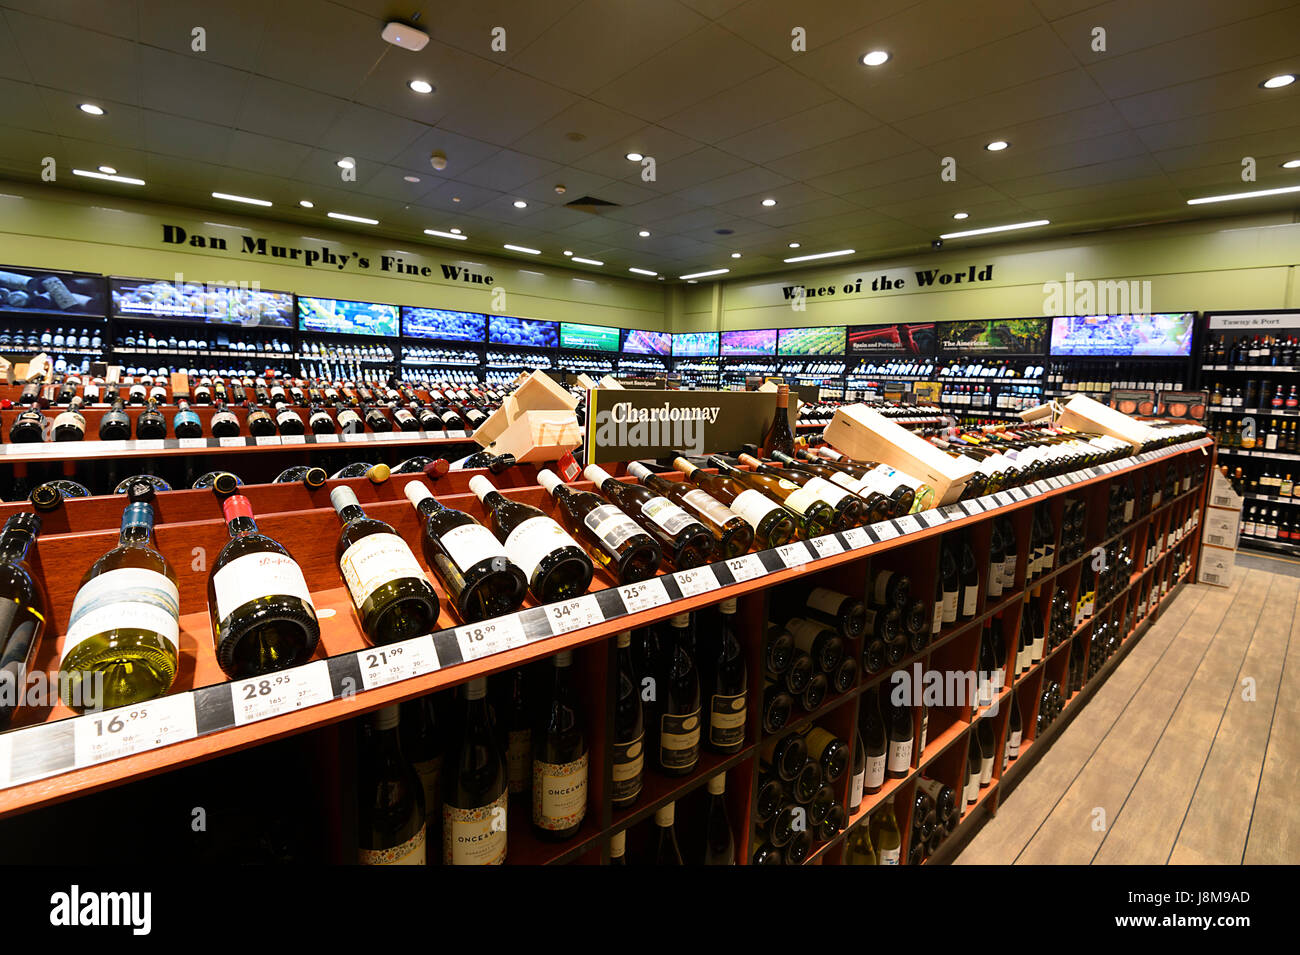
(352, 513)
(14, 544)
(241, 526)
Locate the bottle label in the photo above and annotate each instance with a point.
(753, 506)
(849, 483)
(995, 580)
(986, 770)
(519, 760)
(70, 419)
(679, 740)
(475, 836)
(129, 598)
(806, 631)
(936, 624)
(875, 775)
(925, 729)
(727, 720)
(468, 544)
(533, 541)
(612, 526)
(827, 491)
(891, 856)
(410, 852)
(667, 515)
(709, 506)
(1013, 742)
(559, 793)
(430, 773)
(376, 560)
(800, 500)
(258, 575)
(949, 606)
(969, 601)
(900, 756)
(629, 761)
(826, 601)
(856, 787)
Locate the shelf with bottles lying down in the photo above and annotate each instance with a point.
(757, 599)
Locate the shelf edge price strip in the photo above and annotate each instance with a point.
(570, 615)
(262, 697)
(127, 730)
(644, 595)
(398, 661)
(827, 545)
(794, 554)
(693, 582)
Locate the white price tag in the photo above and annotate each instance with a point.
(268, 439)
(192, 443)
(1003, 498)
(827, 546)
(931, 518)
(397, 661)
(293, 439)
(574, 614)
(6, 751)
(327, 439)
(884, 531)
(793, 554)
(490, 636)
(697, 580)
(746, 567)
(149, 444)
(457, 434)
(231, 442)
(643, 595)
(127, 730)
(909, 524)
(391, 436)
(262, 697)
(857, 537)
(436, 435)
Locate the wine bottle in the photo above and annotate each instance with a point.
(728, 683)
(719, 843)
(685, 542)
(116, 424)
(422, 741)
(988, 751)
(828, 751)
(900, 739)
(945, 800)
(773, 525)
(1015, 731)
(875, 506)
(857, 847)
(51, 494)
(848, 507)
(613, 539)
(846, 614)
(390, 801)
(469, 561)
(559, 760)
(260, 424)
(519, 737)
(186, 423)
(732, 532)
(663, 843)
(555, 566)
(677, 710)
(973, 760)
(224, 423)
(970, 580)
(262, 615)
(618, 848)
(151, 425)
(885, 834)
(778, 436)
(629, 729)
(287, 420)
(474, 792)
(814, 516)
(28, 427)
(857, 784)
(824, 645)
(393, 598)
(783, 757)
(778, 704)
(124, 629)
(23, 611)
(872, 726)
(950, 584)
(70, 425)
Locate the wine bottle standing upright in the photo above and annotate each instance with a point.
(262, 615)
(872, 725)
(393, 598)
(970, 579)
(553, 562)
(719, 842)
(390, 800)
(471, 564)
(423, 745)
(560, 760)
(474, 792)
(629, 729)
(857, 783)
(23, 610)
(613, 539)
(663, 843)
(727, 685)
(900, 739)
(886, 836)
(124, 629)
(778, 436)
(678, 709)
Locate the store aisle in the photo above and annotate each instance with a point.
(1170, 762)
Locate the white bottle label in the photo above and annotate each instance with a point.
(376, 560)
(900, 756)
(612, 526)
(559, 793)
(519, 760)
(411, 852)
(753, 506)
(970, 599)
(128, 598)
(827, 491)
(891, 856)
(937, 623)
(709, 506)
(875, 775)
(530, 543)
(470, 543)
(1013, 743)
(475, 836)
(986, 770)
(826, 601)
(949, 606)
(257, 575)
(667, 515)
(800, 500)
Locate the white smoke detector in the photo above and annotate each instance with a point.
(405, 36)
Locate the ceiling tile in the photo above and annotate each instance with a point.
(232, 29)
(362, 132)
(530, 102)
(769, 96)
(288, 112)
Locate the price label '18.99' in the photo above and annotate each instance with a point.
(490, 636)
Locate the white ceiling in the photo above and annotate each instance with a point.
(710, 88)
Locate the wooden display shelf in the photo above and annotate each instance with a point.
(39, 762)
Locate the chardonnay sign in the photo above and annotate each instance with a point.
(628, 425)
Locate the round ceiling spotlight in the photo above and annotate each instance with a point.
(997, 145)
(92, 109)
(875, 58)
(961, 215)
(520, 204)
(769, 202)
(1272, 83)
(634, 157)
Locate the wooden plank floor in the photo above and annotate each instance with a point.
(1188, 754)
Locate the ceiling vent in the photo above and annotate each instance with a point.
(591, 204)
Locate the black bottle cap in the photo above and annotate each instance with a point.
(46, 497)
(140, 492)
(225, 483)
(315, 477)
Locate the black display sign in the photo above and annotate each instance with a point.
(994, 336)
(634, 425)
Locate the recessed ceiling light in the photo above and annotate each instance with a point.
(794, 245)
(735, 255)
(92, 109)
(819, 255)
(961, 215)
(421, 86)
(995, 228)
(411, 178)
(1244, 195)
(306, 203)
(1272, 83)
(578, 258)
(111, 178)
(875, 58)
(692, 282)
(343, 215)
(997, 145)
(643, 272)
(644, 234)
(520, 204)
(347, 162)
(108, 170)
(454, 231)
(454, 234)
(769, 202)
(455, 198)
(1289, 164)
(634, 157)
(704, 275)
(568, 252)
(522, 248)
(245, 199)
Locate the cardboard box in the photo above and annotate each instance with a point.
(535, 423)
(1222, 495)
(609, 383)
(1221, 527)
(1218, 565)
(1085, 414)
(865, 435)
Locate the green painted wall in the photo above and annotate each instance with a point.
(55, 228)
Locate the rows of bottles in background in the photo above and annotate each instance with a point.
(1099, 377)
(1256, 394)
(1247, 350)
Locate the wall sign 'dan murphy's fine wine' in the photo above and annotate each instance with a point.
(633, 425)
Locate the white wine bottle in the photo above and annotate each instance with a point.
(474, 793)
(885, 835)
(390, 801)
(124, 629)
(560, 760)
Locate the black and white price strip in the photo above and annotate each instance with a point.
(490, 636)
(127, 730)
(645, 595)
(746, 567)
(696, 581)
(827, 545)
(570, 615)
(409, 658)
(794, 554)
(297, 688)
